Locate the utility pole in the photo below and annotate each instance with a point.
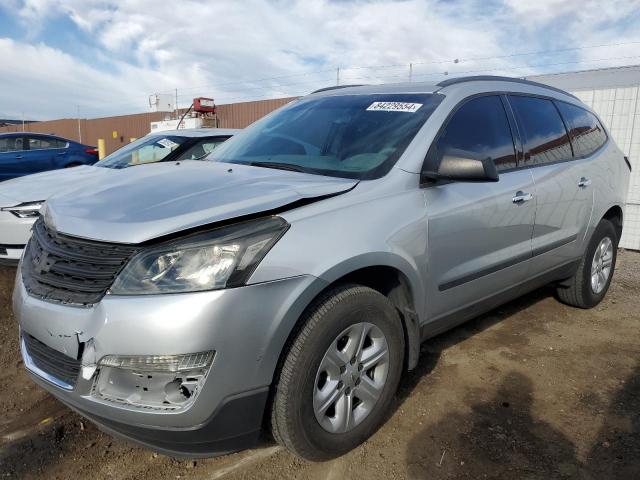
(23, 121)
(410, 72)
(177, 113)
(338, 76)
(79, 128)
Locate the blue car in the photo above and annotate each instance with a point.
(25, 153)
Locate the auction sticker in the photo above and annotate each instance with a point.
(165, 142)
(394, 107)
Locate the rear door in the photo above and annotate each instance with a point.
(479, 232)
(44, 154)
(12, 156)
(564, 201)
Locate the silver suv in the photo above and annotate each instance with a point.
(287, 283)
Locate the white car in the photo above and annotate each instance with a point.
(21, 198)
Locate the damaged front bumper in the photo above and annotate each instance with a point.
(186, 374)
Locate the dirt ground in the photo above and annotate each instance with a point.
(533, 390)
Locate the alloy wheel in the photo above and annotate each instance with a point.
(601, 265)
(351, 377)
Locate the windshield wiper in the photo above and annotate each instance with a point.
(282, 166)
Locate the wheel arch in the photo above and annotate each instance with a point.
(389, 274)
(615, 215)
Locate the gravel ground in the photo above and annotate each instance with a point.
(533, 390)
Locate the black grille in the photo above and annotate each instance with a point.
(65, 269)
(51, 361)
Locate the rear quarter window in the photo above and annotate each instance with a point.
(586, 132)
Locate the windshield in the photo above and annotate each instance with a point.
(145, 150)
(352, 136)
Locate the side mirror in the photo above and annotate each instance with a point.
(464, 168)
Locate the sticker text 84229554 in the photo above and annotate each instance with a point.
(394, 107)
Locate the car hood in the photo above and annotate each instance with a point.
(40, 186)
(143, 203)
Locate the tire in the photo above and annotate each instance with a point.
(72, 165)
(295, 421)
(578, 290)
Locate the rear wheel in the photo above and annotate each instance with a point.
(73, 164)
(591, 281)
(339, 375)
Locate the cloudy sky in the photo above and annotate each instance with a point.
(107, 57)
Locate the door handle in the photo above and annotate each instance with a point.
(61, 153)
(522, 197)
(584, 182)
(18, 157)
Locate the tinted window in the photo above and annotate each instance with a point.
(201, 148)
(479, 129)
(352, 136)
(10, 144)
(586, 132)
(545, 137)
(40, 143)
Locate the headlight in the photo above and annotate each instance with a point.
(25, 210)
(220, 258)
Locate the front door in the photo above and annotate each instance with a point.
(479, 232)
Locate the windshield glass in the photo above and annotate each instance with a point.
(352, 136)
(144, 150)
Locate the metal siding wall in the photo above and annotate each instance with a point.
(127, 126)
(619, 110)
(240, 115)
(233, 115)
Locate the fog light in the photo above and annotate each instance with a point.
(154, 381)
(159, 363)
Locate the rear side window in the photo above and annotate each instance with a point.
(478, 129)
(544, 134)
(587, 135)
(41, 143)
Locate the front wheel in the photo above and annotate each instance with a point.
(339, 375)
(591, 281)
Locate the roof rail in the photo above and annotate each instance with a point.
(335, 87)
(478, 78)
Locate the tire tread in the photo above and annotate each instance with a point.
(282, 427)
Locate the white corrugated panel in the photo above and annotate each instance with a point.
(619, 110)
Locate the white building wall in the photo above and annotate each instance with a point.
(619, 110)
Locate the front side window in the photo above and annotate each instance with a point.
(585, 130)
(201, 148)
(545, 137)
(478, 129)
(10, 144)
(350, 136)
(144, 150)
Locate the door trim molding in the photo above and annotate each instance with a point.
(506, 264)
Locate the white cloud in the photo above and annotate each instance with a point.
(43, 82)
(222, 46)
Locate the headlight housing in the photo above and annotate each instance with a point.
(25, 210)
(221, 258)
